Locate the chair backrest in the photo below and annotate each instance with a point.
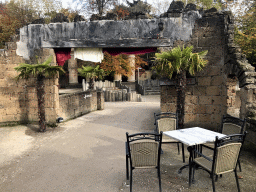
(164, 115)
(166, 124)
(232, 125)
(226, 153)
(144, 149)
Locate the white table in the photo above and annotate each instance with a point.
(193, 137)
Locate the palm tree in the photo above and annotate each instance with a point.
(180, 61)
(40, 72)
(91, 73)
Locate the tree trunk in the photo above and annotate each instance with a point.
(91, 83)
(181, 86)
(41, 102)
(100, 6)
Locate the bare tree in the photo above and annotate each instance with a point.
(96, 6)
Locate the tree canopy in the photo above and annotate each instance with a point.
(119, 64)
(245, 35)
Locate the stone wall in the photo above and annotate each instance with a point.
(227, 85)
(76, 104)
(18, 100)
(107, 33)
(205, 102)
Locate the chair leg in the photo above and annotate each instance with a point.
(183, 155)
(178, 145)
(240, 169)
(159, 177)
(237, 183)
(127, 168)
(213, 183)
(131, 180)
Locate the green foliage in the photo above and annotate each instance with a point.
(44, 69)
(96, 6)
(12, 17)
(177, 60)
(245, 35)
(91, 72)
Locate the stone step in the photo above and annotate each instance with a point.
(153, 89)
(152, 92)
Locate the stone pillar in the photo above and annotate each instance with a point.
(131, 59)
(72, 69)
(117, 77)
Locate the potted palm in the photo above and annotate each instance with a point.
(91, 73)
(180, 61)
(39, 71)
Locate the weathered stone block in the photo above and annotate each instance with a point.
(200, 109)
(189, 108)
(190, 118)
(2, 112)
(217, 80)
(169, 107)
(3, 82)
(213, 109)
(8, 118)
(191, 99)
(171, 99)
(217, 117)
(199, 90)
(203, 118)
(204, 81)
(218, 100)
(213, 90)
(209, 42)
(205, 100)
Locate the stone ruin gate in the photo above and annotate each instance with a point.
(226, 86)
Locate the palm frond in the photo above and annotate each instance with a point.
(178, 60)
(27, 70)
(91, 72)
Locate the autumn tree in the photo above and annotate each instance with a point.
(245, 35)
(119, 64)
(17, 13)
(100, 7)
(12, 17)
(139, 7)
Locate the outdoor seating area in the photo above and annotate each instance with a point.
(214, 152)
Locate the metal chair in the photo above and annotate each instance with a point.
(168, 122)
(143, 151)
(223, 160)
(230, 125)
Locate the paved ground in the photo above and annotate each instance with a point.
(87, 154)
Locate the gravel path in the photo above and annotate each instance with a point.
(88, 154)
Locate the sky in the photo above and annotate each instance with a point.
(70, 4)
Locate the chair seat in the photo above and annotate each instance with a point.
(204, 162)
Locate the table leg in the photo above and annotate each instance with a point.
(190, 160)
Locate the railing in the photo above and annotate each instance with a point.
(114, 91)
(143, 86)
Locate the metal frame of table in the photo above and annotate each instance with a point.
(193, 137)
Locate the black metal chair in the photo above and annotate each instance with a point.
(143, 151)
(168, 122)
(223, 160)
(230, 125)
